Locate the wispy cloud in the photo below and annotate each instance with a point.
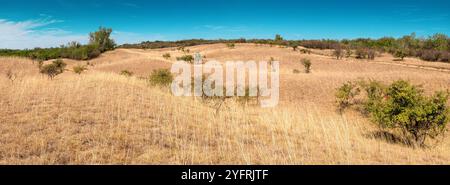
(35, 33)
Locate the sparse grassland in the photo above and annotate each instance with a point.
(102, 117)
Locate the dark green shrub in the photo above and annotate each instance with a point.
(161, 77)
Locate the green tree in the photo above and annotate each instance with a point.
(101, 38)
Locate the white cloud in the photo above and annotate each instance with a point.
(35, 33)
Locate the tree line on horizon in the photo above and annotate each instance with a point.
(432, 48)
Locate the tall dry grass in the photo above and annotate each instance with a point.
(105, 118)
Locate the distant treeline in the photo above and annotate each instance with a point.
(433, 48)
(99, 42)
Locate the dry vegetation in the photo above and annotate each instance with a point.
(101, 117)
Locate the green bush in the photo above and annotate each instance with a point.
(186, 58)
(400, 53)
(231, 45)
(161, 77)
(307, 64)
(55, 68)
(345, 95)
(402, 106)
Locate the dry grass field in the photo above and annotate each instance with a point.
(101, 117)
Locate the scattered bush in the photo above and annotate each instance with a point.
(231, 45)
(307, 64)
(166, 56)
(345, 95)
(79, 69)
(11, 75)
(186, 58)
(55, 68)
(126, 73)
(296, 71)
(305, 51)
(161, 77)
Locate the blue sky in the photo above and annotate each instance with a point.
(45, 23)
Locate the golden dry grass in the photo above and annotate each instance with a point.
(103, 118)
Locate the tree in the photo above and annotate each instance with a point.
(278, 38)
(102, 39)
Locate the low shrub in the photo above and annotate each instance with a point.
(126, 73)
(161, 77)
(186, 58)
(79, 69)
(231, 45)
(166, 56)
(55, 68)
(307, 64)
